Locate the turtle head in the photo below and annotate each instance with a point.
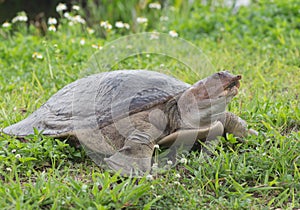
(219, 85)
(206, 100)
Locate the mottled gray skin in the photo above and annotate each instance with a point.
(122, 114)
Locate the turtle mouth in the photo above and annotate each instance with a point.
(232, 87)
(233, 84)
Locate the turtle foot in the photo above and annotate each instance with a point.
(127, 165)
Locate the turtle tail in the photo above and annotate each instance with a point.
(26, 126)
(42, 120)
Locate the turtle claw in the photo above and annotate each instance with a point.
(253, 132)
(127, 165)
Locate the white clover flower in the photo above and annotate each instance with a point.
(82, 41)
(154, 35)
(177, 176)
(67, 15)
(119, 24)
(21, 17)
(169, 162)
(6, 25)
(103, 23)
(52, 28)
(155, 5)
(8, 169)
(78, 19)
(76, 7)
(14, 151)
(141, 20)
(126, 25)
(155, 166)
(52, 21)
(61, 7)
(109, 27)
(90, 30)
(106, 25)
(152, 187)
(75, 19)
(164, 18)
(156, 146)
(97, 46)
(183, 160)
(17, 156)
(37, 55)
(84, 187)
(176, 183)
(173, 33)
(149, 177)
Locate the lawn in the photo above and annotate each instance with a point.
(260, 41)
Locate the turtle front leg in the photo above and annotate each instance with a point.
(134, 158)
(237, 126)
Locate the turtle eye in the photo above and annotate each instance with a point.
(216, 75)
(219, 75)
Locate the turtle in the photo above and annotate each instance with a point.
(122, 115)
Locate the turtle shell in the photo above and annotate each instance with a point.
(99, 100)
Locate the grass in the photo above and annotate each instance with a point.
(261, 42)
